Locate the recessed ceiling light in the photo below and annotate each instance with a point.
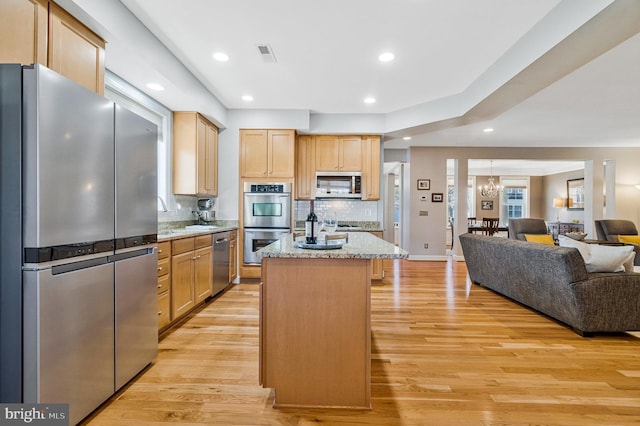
(488, 130)
(406, 138)
(386, 57)
(369, 100)
(247, 98)
(222, 57)
(155, 86)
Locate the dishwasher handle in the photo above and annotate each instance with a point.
(222, 240)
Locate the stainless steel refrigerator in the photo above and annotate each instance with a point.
(78, 223)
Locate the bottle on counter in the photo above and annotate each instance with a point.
(311, 226)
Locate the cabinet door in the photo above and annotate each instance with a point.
(233, 255)
(377, 272)
(371, 168)
(164, 310)
(305, 168)
(182, 274)
(350, 154)
(23, 31)
(211, 161)
(203, 266)
(253, 153)
(75, 51)
(281, 153)
(327, 153)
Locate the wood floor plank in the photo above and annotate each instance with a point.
(444, 352)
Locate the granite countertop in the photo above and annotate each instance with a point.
(361, 245)
(168, 233)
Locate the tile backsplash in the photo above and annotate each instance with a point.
(181, 208)
(346, 210)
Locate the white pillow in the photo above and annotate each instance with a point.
(602, 258)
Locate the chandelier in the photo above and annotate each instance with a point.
(491, 190)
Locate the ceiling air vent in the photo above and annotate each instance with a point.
(266, 53)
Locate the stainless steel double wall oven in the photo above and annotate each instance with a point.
(267, 216)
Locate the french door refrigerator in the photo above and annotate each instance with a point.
(74, 274)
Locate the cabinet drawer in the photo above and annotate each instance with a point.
(164, 250)
(164, 283)
(203, 241)
(182, 246)
(164, 266)
(164, 310)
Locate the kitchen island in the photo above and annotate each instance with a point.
(315, 321)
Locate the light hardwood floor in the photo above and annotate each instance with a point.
(445, 352)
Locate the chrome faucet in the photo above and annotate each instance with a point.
(163, 204)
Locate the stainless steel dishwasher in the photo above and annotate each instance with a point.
(221, 241)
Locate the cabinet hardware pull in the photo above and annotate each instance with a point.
(159, 268)
(159, 312)
(159, 285)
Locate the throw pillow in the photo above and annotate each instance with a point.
(601, 258)
(539, 238)
(633, 239)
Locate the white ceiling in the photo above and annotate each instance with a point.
(540, 72)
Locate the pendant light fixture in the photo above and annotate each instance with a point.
(491, 190)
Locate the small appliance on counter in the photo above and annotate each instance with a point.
(205, 212)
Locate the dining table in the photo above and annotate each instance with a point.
(477, 227)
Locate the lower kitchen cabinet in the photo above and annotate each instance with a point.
(191, 272)
(164, 284)
(376, 264)
(233, 255)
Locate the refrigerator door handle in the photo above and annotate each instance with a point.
(76, 266)
(131, 254)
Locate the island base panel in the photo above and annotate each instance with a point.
(316, 348)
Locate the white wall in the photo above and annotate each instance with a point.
(430, 163)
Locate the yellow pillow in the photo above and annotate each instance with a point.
(540, 238)
(633, 239)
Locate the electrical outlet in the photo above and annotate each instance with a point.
(424, 213)
(426, 245)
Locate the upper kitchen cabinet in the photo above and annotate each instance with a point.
(195, 155)
(75, 51)
(305, 168)
(338, 153)
(371, 167)
(23, 31)
(267, 153)
(38, 31)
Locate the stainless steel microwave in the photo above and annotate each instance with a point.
(338, 184)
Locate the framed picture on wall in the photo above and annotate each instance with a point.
(575, 194)
(437, 197)
(486, 205)
(424, 184)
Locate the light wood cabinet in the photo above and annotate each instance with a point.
(377, 272)
(191, 273)
(75, 51)
(23, 31)
(164, 284)
(338, 153)
(371, 168)
(195, 155)
(233, 255)
(267, 153)
(38, 31)
(305, 168)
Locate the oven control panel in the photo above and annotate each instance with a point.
(272, 188)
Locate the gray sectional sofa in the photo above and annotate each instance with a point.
(554, 281)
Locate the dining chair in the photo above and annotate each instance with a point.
(471, 221)
(490, 225)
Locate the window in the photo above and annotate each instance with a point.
(124, 94)
(451, 201)
(514, 198)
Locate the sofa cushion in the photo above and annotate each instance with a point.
(633, 239)
(539, 238)
(602, 258)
